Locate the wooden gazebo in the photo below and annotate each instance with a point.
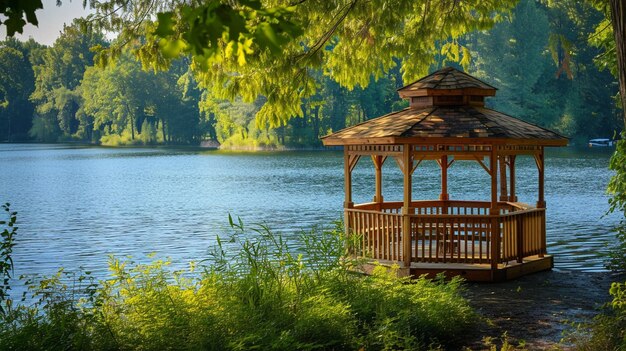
(447, 121)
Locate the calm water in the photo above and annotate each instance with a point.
(78, 205)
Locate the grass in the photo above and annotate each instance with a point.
(255, 291)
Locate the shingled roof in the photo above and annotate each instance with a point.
(445, 122)
(447, 79)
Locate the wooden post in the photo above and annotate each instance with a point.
(541, 201)
(493, 172)
(512, 195)
(347, 185)
(378, 165)
(504, 196)
(407, 160)
(494, 211)
(539, 159)
(444, 178)
(347, 176)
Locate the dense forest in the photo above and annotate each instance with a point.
(543, 59)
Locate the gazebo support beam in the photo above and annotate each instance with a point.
(378, 161)
(539, 160)
(541, 201)
(512, 195)
(407, 170)
(494, 211)
(493, 172)
(443, 163)
(504, 191)
(349, 162)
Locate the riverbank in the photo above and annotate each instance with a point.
(537, 309)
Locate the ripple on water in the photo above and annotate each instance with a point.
(78, 205)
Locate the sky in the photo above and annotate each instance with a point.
(51, 20)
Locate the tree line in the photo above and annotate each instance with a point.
(540, 57)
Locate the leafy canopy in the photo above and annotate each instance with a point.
(249, 48)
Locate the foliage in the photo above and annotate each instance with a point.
(6, 259)
(617, 184)
(74, 100)
(256, 290)
(276, 54)
(607, 331)
(617, 202)
(16, 86)
(58, 74)
(521, 46)
(15, 11)
(559, 88)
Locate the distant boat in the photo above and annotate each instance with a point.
(601, 142)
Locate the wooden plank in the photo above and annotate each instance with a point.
(520, 239)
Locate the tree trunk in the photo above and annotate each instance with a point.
(132, 123)
(316, 124)
(163, 131)
(132, 128)
(618, 19)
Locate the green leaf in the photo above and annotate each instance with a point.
(165, 25)
(266, 37)
(172, 48)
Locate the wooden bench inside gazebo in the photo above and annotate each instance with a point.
(447, 121)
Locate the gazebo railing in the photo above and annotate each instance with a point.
(449, 231)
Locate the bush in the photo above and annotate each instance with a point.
(607, 331)
(256, 291)
(7, 242)
(617, 202)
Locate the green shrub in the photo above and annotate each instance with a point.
(255, 291)
(617, 202)
(7, 242)
(607, 331)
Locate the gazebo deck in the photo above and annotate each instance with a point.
(471, 271)
(459, 237)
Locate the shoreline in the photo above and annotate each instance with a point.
(539, 309)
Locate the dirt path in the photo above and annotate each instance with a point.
(537, 308)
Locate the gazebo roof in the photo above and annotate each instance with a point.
(453, 113)
(444, 82)
(450, 122)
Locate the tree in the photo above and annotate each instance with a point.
(125, 104)
(16, 85)
(260, 48)
(511, 58)
(618, 21)
(58, 73)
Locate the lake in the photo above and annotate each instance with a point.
(77, 204)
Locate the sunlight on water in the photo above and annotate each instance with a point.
(77, 205)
